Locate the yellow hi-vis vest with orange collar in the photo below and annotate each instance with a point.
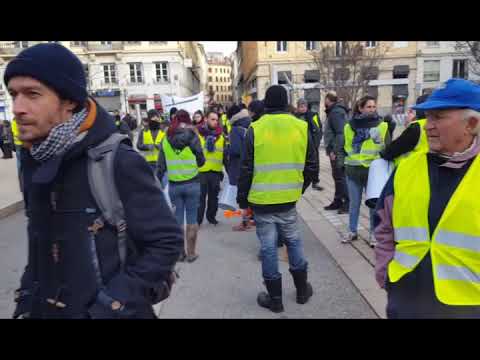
(454, 245)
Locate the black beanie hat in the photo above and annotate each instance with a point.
(276, 97)
(234, 109)
(55, 66)
(256, 106)
(173, 111)
(151, 113)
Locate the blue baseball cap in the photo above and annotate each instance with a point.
(453, 94)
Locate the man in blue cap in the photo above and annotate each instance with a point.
(428, 216)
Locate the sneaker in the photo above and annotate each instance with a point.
(192, 258)
(335, 205)
(350, 237)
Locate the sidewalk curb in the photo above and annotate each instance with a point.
(11, 209)
(352, 264)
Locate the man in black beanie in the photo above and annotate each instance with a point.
(74, 267)
(280, 163)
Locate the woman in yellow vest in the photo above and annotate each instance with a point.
(150, 138)
(428, 216)
(211, 174)
(181, 156)
(365, 136)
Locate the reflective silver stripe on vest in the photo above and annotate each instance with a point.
(272, 187)
(411, 233)
(447, 272)
(369, 152)
(181, 162)
(458, 240)
(272, 167)
(406, 260)
(182, 172)
(216, 161)
(354, 162)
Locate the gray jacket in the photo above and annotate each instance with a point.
(336, 120)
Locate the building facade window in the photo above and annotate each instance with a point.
(106, 42)
(401, 71)
(310, 45)
(431, 70)
(211, 88)
(159, 42)
(216, 78)
(21, 44)
(340, 48)
(460, 68)
(209, 79)
(161, 71)
(136, 73)
(133, 42)
(110, 73)
(433, 43)
(370, 44)
(78, 43)
(209, 69)
(281, 46)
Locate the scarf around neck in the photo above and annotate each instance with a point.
(60, 138)
(458, 160)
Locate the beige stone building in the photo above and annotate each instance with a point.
(128, 75)
(219, 78)
(262, 63)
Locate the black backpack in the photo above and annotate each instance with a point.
(101, 180)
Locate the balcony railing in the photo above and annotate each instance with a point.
(13, 48)
(113, 46)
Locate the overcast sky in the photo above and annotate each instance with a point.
(226, 47)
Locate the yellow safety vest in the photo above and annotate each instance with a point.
(369, 151)
(213, 160)
(152, 155)
(16, 132)
(455, 244)
(226, 123)
(280, 150)
(422, 145)
(316, 121)
(181, 165)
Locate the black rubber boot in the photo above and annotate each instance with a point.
(304, 288)
(273, 299)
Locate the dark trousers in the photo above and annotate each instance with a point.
(316, 178)
(209, 186)
(338, 174)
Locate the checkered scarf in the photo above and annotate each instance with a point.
(60, 139)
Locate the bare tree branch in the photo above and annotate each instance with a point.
(470, 49)
(347, 67)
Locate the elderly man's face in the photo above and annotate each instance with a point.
(447, 132)
(37, 108)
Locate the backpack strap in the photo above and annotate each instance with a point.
(101, 179)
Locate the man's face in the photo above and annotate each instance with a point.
(212, 120)
(302, 108)
(447, 132)
(37, 108)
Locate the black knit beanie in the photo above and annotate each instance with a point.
(276, 98)
(55, 66)
(234, 109)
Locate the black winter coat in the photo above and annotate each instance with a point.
(61, 208)
(236, 150)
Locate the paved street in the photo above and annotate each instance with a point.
(225, 280)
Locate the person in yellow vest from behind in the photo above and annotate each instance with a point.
(280, 162)
(18, 151)
(150, 138)
(412, 140)
(428, 215)
(227, 127)
(211, 173)
(365, 135)
(181, 156)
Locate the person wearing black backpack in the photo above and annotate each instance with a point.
(79, 264)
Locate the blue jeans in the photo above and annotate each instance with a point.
(186, 199)
(355, 190)
(269, 228)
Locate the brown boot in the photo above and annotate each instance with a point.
(192, 233)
